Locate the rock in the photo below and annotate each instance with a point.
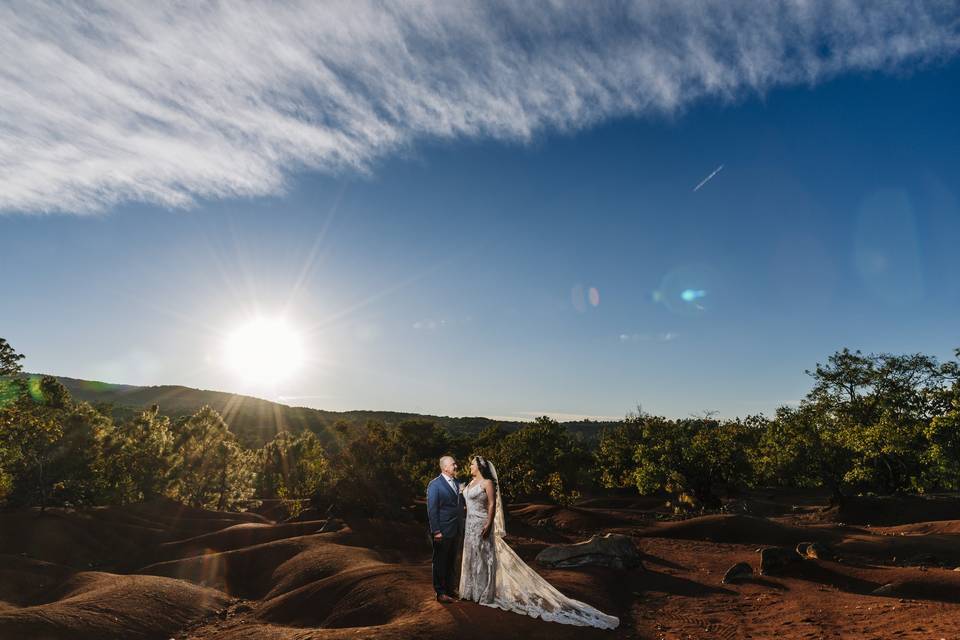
(737, 571)
(774, 559)
(609, 550)
(885, 590)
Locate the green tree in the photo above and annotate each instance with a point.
(802, 447)
(943, 435)
(615, 450)
(210, 470)
(542, 460)
(367, 476)
(291, 466)
(695, 457)
(138, 454)
(879, 406)
(55, 448)
(9, 360)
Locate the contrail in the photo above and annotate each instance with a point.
(707, 179)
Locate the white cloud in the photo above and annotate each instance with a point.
(149, 101)
(667, 336)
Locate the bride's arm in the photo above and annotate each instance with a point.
(491, 508)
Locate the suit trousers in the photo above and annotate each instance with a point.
(444, 564)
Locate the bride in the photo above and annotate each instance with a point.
(493, 574)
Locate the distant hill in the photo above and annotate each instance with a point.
(256, 421)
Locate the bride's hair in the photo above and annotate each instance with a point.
(484, 467)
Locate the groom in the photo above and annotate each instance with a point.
(445, 507)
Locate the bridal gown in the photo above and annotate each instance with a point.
(494, 575)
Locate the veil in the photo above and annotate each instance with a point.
(499, 525)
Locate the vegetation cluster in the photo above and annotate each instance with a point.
(871, 423)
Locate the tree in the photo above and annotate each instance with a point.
(54, 448)
(291, 466)
(694, 457)
(943, 435)
(9, 360)
(802, 447)
(210, 470)
(138, 455)
(615, 451)
(366, 476)
(542, 460)
(879, 407)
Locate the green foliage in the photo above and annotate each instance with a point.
(9, 359)
(542, 460)
(367, 476)
(138, 454)
(801, 448)
(694, 456)
(615, 451)
(943, 453)
(53, 448)
(210, 469)
(291, 466)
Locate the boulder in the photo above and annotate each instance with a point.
(609, 550)
(775, 559)
(737, 571)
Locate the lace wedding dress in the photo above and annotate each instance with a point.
(493, 574)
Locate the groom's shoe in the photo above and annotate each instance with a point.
(444, 598)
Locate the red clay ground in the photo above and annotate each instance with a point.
(163, 571)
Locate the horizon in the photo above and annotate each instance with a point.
(456, 211)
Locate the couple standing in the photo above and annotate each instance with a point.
(491, 573)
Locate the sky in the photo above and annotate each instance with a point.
(494, 209)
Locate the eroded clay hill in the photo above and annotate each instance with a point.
(882, 569)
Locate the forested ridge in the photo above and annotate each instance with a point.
(871, 423)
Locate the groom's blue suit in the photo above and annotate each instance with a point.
(444, 511)
(444, 506)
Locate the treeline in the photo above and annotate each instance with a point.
(880, 424)
(871, 423)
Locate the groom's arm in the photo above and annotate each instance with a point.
(433, 508)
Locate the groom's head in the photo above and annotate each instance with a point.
(448, 465)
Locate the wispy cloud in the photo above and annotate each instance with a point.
(148, 101)
(667, 336)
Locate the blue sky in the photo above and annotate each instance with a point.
(510, 263)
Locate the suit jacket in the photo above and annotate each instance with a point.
(444, 507)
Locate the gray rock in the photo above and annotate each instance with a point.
(737, 571)
(609, 550)
(775, 559)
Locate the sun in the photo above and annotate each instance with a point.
(264, 351)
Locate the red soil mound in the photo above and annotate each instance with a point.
(102, 605)
(894, 510)
(738, 529)
(237, 536)
(371, 578)
(567, 519)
